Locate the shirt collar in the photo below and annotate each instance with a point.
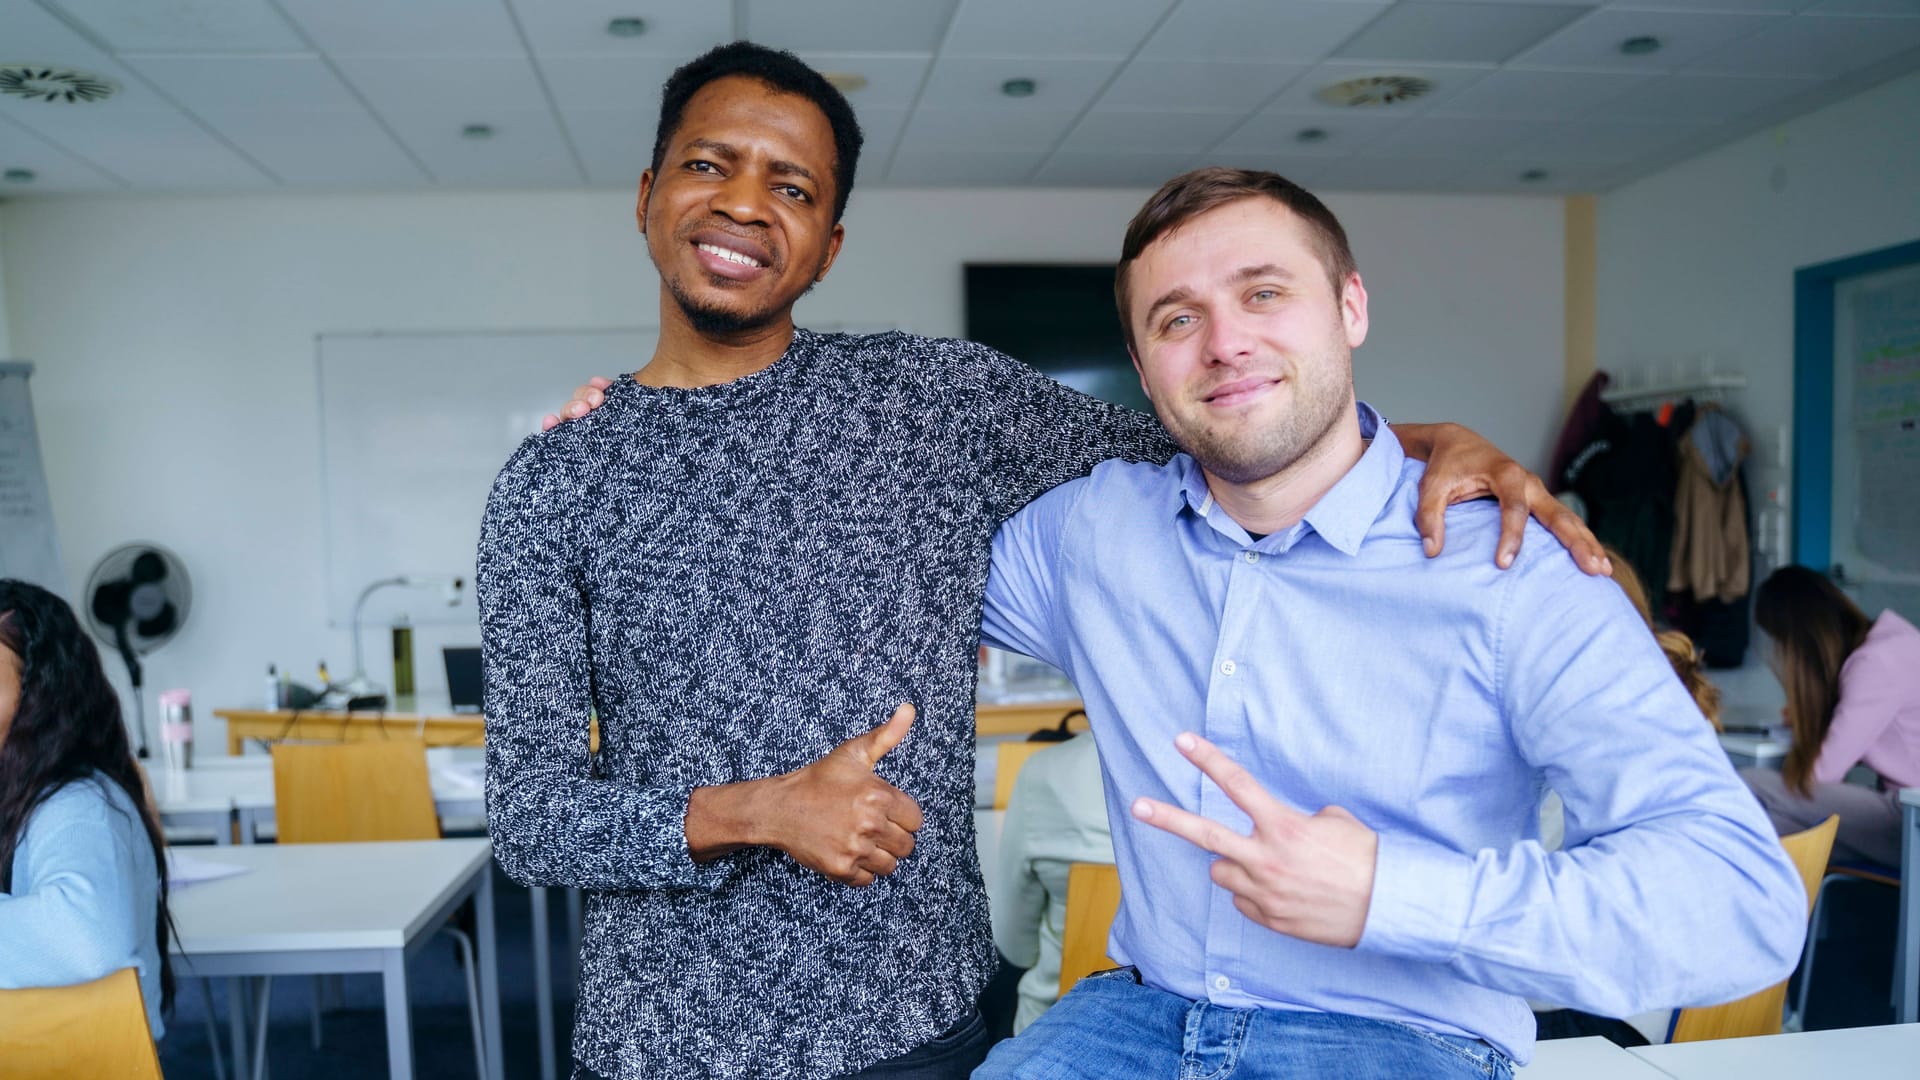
(1342, 516)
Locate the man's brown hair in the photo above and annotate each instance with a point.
(1191, 194)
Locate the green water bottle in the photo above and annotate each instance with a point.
(402, 659)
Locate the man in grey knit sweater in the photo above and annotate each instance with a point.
(760, 545)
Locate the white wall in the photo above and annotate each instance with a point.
(175, 337)
(1699, 259)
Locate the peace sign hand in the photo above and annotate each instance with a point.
(1309, 876)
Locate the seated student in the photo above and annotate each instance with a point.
(1332, 883)
(1853, 698)
(1057, 816)
(83, 877)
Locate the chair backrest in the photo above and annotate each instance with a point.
(1009, 758)
(1093, 899)
(348, 792)
(1759, 1014)
(96, 1029)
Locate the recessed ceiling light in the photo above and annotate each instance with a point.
(477, 131)
(845, 81)
(18, 176)
(628, 27)
(1640, 46)
(1019, 87)
(1310, 135)
(39, 82)
(1534, 176)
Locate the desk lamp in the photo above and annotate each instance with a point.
(359, 685)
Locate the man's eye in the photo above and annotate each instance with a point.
(792, 192)
(701, 166)
(1179, 322)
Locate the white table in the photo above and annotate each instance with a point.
(1864, 1052)
(323, 909)
(1906, 957)
(1591, 1058)
(218, 791)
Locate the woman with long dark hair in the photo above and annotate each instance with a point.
(83, 873)
(1853, 698)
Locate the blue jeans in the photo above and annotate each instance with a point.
(1109, 1025)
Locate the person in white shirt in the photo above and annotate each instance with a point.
(83, 878)
(1056, 816)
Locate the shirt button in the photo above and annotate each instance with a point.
(1226, 667)
(1253, 556)
(1221, 982)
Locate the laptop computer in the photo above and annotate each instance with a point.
(464, 685)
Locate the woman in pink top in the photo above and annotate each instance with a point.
(1853, 698)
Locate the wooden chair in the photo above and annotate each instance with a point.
(360, 792)
(1093, 899)
(96, 1029)
(1760, 1014)
(1010, 758)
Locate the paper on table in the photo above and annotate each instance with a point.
(191, 870)
(472, 774)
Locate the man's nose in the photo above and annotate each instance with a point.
(743, 198)
(1229, 338)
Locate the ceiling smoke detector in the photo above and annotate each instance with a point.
(1373, 91)
(38, 82)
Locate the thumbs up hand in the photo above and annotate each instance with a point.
(836, 817)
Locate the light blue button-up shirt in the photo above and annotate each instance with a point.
(1435, 699)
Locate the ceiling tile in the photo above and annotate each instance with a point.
(526, 149)
(1449, 32)
(1025, 28)
(1304, 30)
(478, 86)
(1509, 177)
(1113, 169)
(1865, 7)
(1822, 45)
(156, 150)
(893, 80)
(1453, 136)
(804, 26)
(608, 82)
(203, 83)
(616, 145)
(974, 83)
(934, 131)
(946, 169)
(1605, 142)
(579, 27)
(412, 28)
(1594, 42)
(1193, 84)
(1448, 80)
(1704, 97)
(1107, 131)
(1302, 171)
(1367, 174)
(881, 129)
(1278, 130)
(327, 148)
(1521, 92)
(186, 25)
(55, 169)
(1749, 6)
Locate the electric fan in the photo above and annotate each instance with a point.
(137, 599)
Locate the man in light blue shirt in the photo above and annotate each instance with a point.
(1355, 885)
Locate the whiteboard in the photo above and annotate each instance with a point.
(413, 430)
(27, 548)
(1876, 426)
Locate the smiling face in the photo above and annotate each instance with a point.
(1241, 343)
(739, 220)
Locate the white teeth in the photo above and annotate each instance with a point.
(730, 256)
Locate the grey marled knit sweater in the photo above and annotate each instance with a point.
(738, 578)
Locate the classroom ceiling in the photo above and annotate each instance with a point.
(1520, 95)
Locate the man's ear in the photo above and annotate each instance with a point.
(834, 240)
(1134, 356)
(1353, 310)
(640, 206)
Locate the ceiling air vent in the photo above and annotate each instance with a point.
(38, 82)
(1375, 90)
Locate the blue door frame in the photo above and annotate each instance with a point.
(1813, 289)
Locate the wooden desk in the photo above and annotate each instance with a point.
(468, 729)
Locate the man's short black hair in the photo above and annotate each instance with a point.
(784, 72)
